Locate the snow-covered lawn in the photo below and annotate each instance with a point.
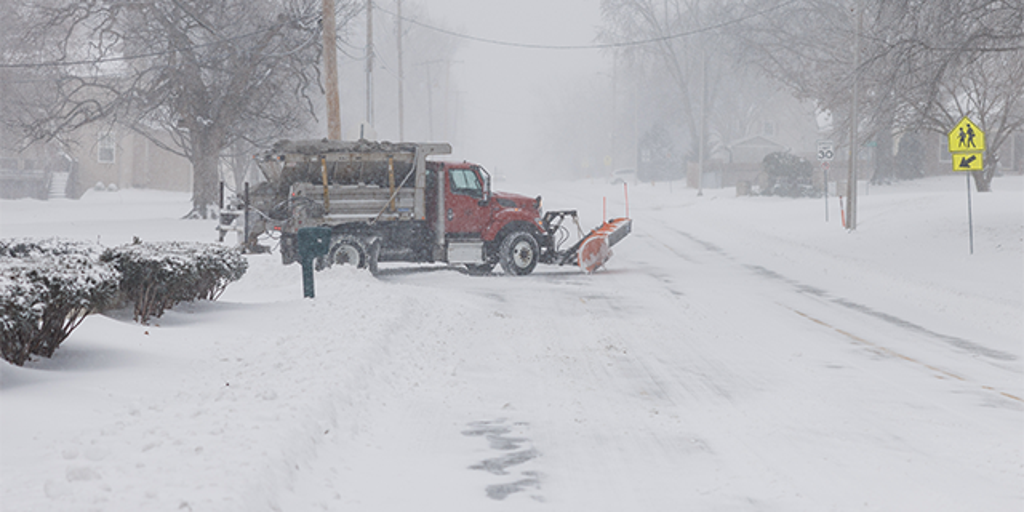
(737, 353)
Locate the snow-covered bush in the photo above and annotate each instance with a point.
(158, 275)
(788, 176)
(34, 248)
(47, 288)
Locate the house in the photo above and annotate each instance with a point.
(97, 156)
(28, 173)
(121, 158)
(780, 123)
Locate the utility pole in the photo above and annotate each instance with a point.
(702, 114)
(369, 62)
(401, 77)
(330, 57)
(430, 103)
(636, 121)
(851, 179)
(703, 118)
(615, 91)
(444, 104)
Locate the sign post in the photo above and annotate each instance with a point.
(826, 153)
(967, 144)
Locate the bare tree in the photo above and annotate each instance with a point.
(16, 81)
(680, 58)
(924, 65)
(716, 94)
(209, 73)
(943, 61)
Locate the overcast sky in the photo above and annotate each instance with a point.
(502, 88)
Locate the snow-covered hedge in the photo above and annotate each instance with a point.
(47, 287)
(158, 275)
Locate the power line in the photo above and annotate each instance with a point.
(124, 58)
(598, 46)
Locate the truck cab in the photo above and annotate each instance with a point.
(476, 220)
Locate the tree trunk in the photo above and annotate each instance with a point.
(983, 178)
(205, 178)
(884, 164)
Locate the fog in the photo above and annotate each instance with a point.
(507, 89)
(701, 91)
(493, 102)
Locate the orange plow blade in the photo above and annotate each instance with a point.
(596, 248)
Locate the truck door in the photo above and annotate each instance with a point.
(466, 190)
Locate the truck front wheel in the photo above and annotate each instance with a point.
(519, 253)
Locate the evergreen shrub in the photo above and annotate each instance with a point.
(47, 287)
(788, 176)
(158, 275)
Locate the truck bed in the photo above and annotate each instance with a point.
(360, 202)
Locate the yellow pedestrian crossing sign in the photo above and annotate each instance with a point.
(966, 137)
(967, 144)
(967, 162)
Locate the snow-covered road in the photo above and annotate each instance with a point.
(736, 354)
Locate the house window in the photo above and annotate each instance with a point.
(105, 149)
(768, 129)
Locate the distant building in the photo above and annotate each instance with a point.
(782, 124)
(98, 155)
(28, 172)
(126, 159)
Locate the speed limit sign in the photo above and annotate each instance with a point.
(825, 151)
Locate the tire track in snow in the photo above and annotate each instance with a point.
(954, 341)
(890, 352)
(706, 261)
(959, 343)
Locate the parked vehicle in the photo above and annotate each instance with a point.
(387, 202)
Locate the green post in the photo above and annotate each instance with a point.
(312, 242)
(307, 278)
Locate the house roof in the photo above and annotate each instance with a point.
(756, 141)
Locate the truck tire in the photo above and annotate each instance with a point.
(519, 253)
(372, 256)
(348, 252)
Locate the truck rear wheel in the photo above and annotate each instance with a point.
(348, 252)
(519, 253)
(372, 256)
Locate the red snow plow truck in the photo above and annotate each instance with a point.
(388, 202)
